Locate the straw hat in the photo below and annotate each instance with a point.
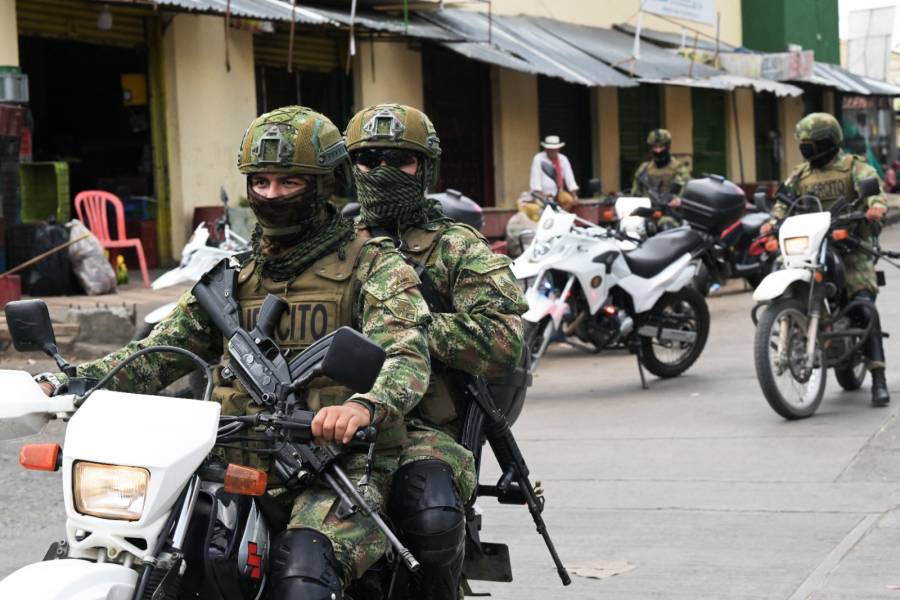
(551, 142)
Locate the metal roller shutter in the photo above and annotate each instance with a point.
(709, 132)
(77, 21)
(312, 51)
(639, 113)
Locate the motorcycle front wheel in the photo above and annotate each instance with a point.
(684, 310)
(792, 389)
(537, 337)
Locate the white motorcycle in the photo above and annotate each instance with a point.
(580, 282)
(149, 513)
(809, 323)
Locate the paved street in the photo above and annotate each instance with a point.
(696, 485)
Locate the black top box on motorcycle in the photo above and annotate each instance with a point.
(712, 204)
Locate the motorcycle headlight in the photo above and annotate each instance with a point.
(796, 245)
(110, 491)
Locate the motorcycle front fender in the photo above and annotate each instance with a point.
(155, 316)
(775, 283)
(70, 579)
(539, 306)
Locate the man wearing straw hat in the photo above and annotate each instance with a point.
(563, 188)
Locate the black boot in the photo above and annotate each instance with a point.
(880, 394)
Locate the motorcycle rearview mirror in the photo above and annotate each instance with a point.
(32, 331)
(759, 199)
(870, 186)
(548, 169)
(351, 210)
(594, 186)
(345, 355)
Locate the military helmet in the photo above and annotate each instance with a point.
(819, 126)
(393, 126)
(292, 139)
(659, 137)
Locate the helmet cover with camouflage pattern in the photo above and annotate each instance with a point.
(659, 137)
(393, 126)
(819, 126)
(292, 139)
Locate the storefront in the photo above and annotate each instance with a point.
(869, 130)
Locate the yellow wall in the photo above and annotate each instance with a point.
(9, 35)
(790, 110)
(678, 118)
(606, 150)
(606, 13)
(397, 76)
(744, 129)
(207, 111)
(516, 134)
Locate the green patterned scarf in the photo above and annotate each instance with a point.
(389, 197)
(286, 264)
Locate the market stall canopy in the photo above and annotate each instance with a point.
(543, 52)
(616, 49)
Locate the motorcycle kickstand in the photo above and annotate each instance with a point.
(640, 364)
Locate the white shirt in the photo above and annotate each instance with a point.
(540, 182)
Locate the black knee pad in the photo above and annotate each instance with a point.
(304, 566)
(426, 508)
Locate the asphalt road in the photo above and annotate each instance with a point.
(694, 488)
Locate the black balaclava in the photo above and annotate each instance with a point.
(661, 159)
(819, 152)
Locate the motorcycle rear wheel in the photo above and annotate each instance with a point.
(687, 310)
(851, 377)
(788, 396)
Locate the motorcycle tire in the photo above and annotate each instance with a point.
(851, 377)
(661, 368)
(765, 374)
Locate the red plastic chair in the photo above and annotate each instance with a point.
(93, 205)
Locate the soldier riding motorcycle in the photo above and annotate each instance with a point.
(820, 310)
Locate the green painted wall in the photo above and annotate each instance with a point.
(770, 25)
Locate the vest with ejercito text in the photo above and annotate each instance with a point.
(321, 299)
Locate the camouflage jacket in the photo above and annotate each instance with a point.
(661, 179)
(483, 335)
(838, 179)
(399, 387)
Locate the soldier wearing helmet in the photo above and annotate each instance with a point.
(664, 174)
(475, 328)
(831, 175)
(331, 275)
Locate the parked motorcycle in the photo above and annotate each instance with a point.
(579, 282)
(809, 324)
(198, 256)
(453, 204)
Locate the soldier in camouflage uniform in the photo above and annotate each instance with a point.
(831, 175)
(663, 174)
(331, 275)
(396, 151)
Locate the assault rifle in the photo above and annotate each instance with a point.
(255, 360)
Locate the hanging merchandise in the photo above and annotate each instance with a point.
(91, 267)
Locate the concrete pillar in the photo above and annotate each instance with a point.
(395, 76)
(828, 102)
(678, 118)
(9, 35)
(514, 103)
(790, 110)
(207, 110)
(606, 118)
(740, 135)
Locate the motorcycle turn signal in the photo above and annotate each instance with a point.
(245, 481)
(40, 457)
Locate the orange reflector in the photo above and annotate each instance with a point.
(657, 214)
(40, 457)
(609, 215)
(245, 481)
(819, 277)
(840, 234)
(772, 245)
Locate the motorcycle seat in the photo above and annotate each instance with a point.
(658, 252)
(753, 221)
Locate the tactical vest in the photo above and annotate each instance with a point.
(442, 404)
(321, 299)
(660, 179)
(833, 183)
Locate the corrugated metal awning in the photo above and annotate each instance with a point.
(843, 80)
(728, 82)
(524, 42)
(615, 48)
(669, 39)
(274, 10)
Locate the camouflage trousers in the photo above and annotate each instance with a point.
(859, 271)
(425, 443)
(357, 541)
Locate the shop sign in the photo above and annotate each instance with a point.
(702, 11)
(780, 66)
